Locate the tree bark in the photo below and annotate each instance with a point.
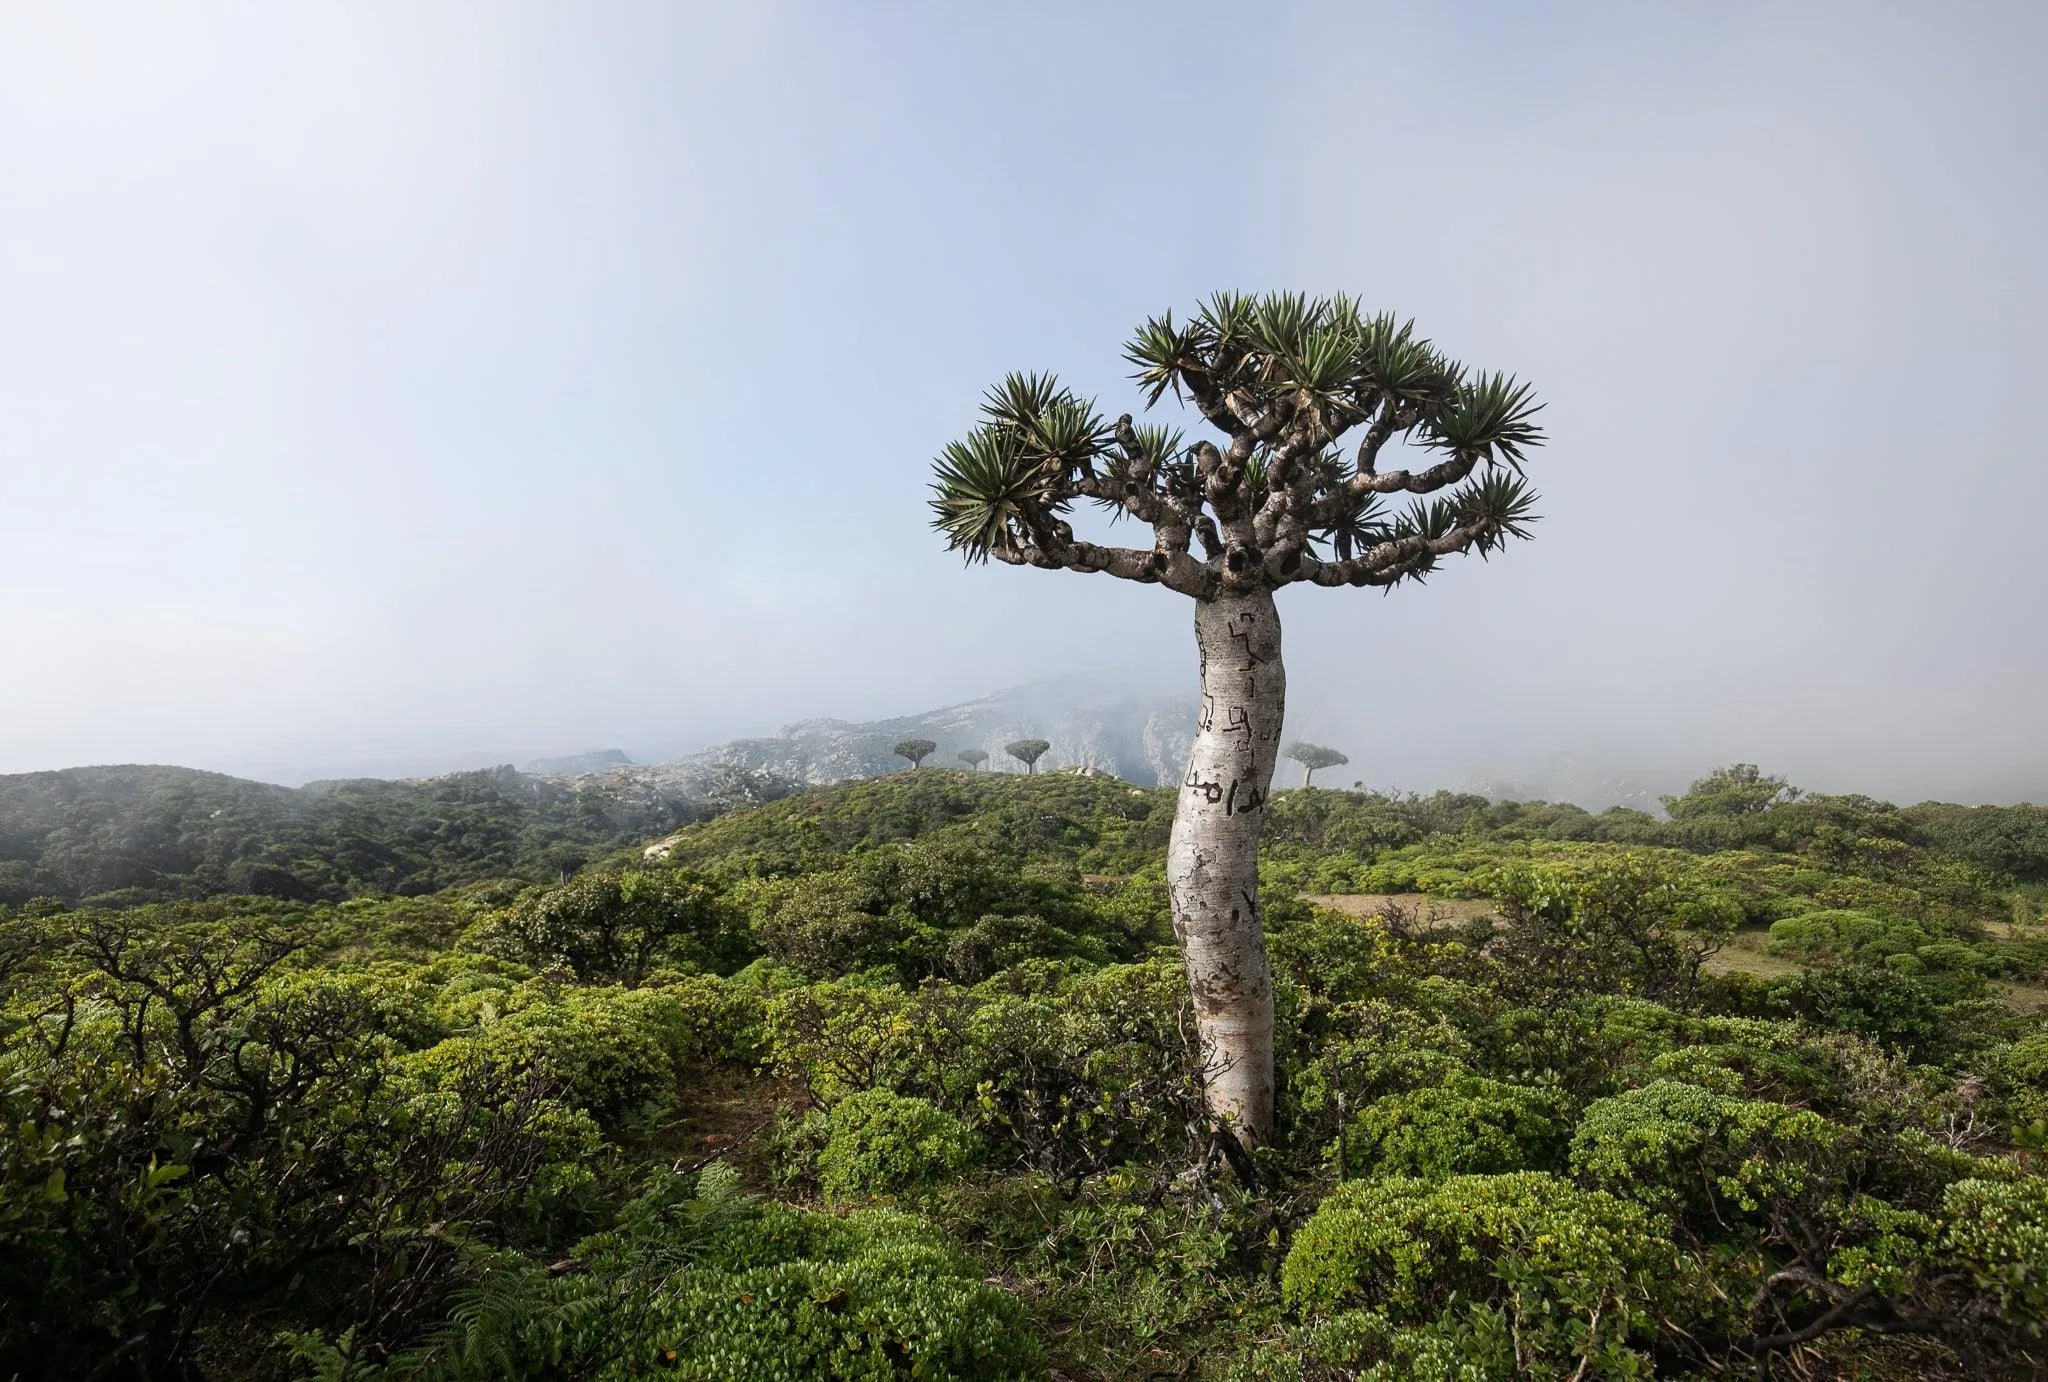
(1212, 858)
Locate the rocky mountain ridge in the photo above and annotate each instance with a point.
(1094, 724)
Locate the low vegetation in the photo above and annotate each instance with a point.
(898, 1079)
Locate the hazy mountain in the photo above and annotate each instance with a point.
(590, 761)
(1588, 782)
(1098, 722)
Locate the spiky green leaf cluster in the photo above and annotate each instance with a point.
(1034, 434)
(1249, 354)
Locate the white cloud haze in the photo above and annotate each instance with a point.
(386, 385)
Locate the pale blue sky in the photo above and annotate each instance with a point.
(382, 386)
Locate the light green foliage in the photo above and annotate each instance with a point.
(1997, 1231)
(1470, 1124)
(881, 1143)
(1705, 1156)
(614, 1052)
(1579, 1273)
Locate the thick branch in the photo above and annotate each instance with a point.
(1174, 570)
(1414, 481)
(1383, 563)
(1141, 501)
(1215, 408)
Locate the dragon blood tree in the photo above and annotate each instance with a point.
(1305, 396)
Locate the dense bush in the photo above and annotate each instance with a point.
(616, 927)
(1469, 1124)
(719, 1287)
(879, 1143)
(1513, 1274)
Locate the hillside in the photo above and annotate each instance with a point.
(894, 1078)
(144, 833)
(898, 1066)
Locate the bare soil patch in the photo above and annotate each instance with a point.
(1744, 954)
(2022, 998)
(1427, 911)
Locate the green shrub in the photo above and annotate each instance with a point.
(1469, 1125)
(1832, 933)
(2018, 1088)
(1868, 1000)
(1997, 1232)
(882, 1143)
(1709, 1157)
(885, 1314)
(717, 1287)
(614, 928)
(1634, 923)
(613, 1052)
(1070, 1078)
(1580, 1271)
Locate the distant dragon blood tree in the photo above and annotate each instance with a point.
(1284, 379)
(916, 750)
(1027, 752)
(973, 758)
(1313, 757)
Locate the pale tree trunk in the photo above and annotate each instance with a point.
(1213, 858)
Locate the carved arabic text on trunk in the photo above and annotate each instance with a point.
(1212, 859)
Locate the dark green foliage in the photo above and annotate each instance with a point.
(1094, 824)
(615, 927)
(927, 908)
(1066, 1073)
(192, 1119)
(1737, 790)
(152, 834)
(1626, 924)
(916, 750)
(1878, 1003)
(1027, 751)
(2007, 841)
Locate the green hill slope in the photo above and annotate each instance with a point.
(143, 833)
